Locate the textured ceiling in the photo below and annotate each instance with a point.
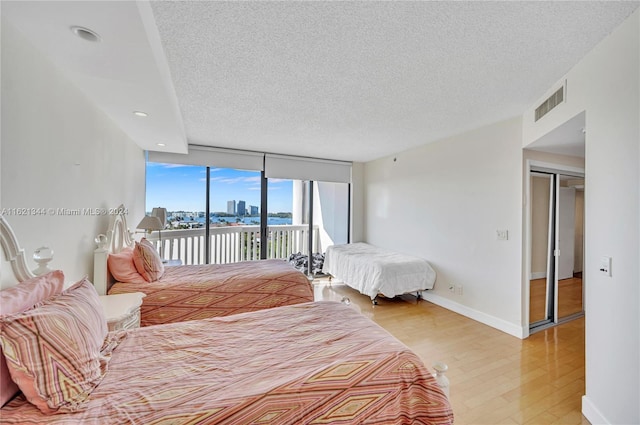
(360, 80)
(337, 80)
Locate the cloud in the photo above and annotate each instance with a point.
(235, 180)
(153, 164)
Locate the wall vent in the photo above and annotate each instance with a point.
(552, 101)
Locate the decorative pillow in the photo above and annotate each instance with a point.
(21, 297)
(53, 350)
(123, 268)
(147, 261)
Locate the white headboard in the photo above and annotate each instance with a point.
(13, 264)
(117, 238)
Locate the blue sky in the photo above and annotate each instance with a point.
(182, 187)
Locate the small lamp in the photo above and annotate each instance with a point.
(151, 223)
(161, 213)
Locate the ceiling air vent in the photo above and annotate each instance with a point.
(551, 102)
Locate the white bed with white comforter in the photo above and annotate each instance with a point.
(373, 270)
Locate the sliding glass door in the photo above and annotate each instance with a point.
(320, 195)
(284, 230)
(234, 215)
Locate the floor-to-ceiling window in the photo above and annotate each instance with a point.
(285, 228)
(223, 191)
(227, 206)
(234, 215)
(321, 193)
(179, 188)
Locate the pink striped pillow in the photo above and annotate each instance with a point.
(147, 261)
(17, 299)
(53, 350)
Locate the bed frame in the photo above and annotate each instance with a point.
(12, 255)
(373, 270)
(117, 238)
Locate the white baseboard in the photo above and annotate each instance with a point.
(538, 275)
(476, 315)
(591, 412)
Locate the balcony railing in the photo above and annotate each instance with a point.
(230, 244)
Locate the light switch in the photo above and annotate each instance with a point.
(605, 266)
(502, 235)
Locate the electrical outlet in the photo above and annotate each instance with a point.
(452, 288)
(459, 289)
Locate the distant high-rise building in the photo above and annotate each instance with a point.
(253, 210)
(242, 209)
(231, 207)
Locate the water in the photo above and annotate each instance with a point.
(271, 221)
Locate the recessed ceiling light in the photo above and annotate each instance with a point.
(161, 144)
(85, 33)
(140, 114)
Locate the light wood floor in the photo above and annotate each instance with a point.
(569, 298)
(495, 378)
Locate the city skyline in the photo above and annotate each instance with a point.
(179, 187)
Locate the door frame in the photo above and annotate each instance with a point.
(532, 165)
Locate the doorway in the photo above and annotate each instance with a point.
(556, 255)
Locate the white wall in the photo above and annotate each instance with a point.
(60, 151)
(606, 84)
(552, 158)
(444, 202)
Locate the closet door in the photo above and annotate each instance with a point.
(542, 241)
(558, 295)
(569, 287)
(566, 231)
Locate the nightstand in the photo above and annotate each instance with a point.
(122, 310)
